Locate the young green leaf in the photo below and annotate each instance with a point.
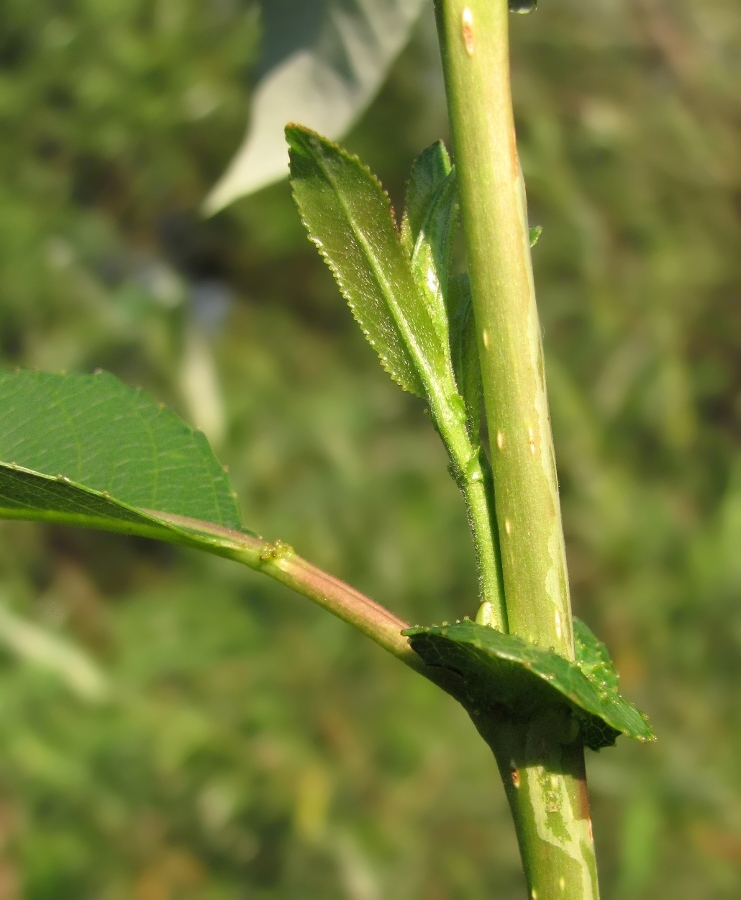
(430, 171)
(428, 230)
(348, 217)
(503, 669)
(88, 450)
(464, 352)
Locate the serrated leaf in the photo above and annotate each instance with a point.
(348, 217)
(88, 450)
(465, 353)
(323, 62)
(430, 171)
(428, 230)
(503, 669)
(593, 657)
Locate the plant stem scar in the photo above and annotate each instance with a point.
(467, 28)
(514, 773)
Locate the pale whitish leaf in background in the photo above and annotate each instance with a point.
(323, 62)
(200, 387)
(41, 648)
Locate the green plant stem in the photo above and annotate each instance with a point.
(483, 530)
(541, 763)
(549, 803)
(281, 562)
(476, 63)
(473, 477)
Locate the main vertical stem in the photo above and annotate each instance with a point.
(474, 43)
(547, 792)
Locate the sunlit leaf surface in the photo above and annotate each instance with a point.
(348, 217)
(88, 450)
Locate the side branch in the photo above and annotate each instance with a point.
(281, 562)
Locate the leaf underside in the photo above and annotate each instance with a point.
(88, 450)
(503, 669)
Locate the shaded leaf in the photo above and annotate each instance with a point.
(503, 669)
(348, 217)
(87, 449)
(428, 230)
(465, 353)
(323, 62)
(430, 171)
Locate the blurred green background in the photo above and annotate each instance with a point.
(173, 726)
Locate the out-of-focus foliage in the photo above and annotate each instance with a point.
(240, 743)
(321, 64)
(114, 119)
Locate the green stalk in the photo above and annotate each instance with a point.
(469, 469)
(478, 496)
(548, 793)
(280, 561)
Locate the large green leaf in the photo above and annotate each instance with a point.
(503, 669)
(322, 63)
(88, 450)
(348, 217)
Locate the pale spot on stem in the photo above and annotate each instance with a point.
(500, 440)
(559, 630)
(467, 29)
(508, 526)
(485, 338)
(531, 440)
